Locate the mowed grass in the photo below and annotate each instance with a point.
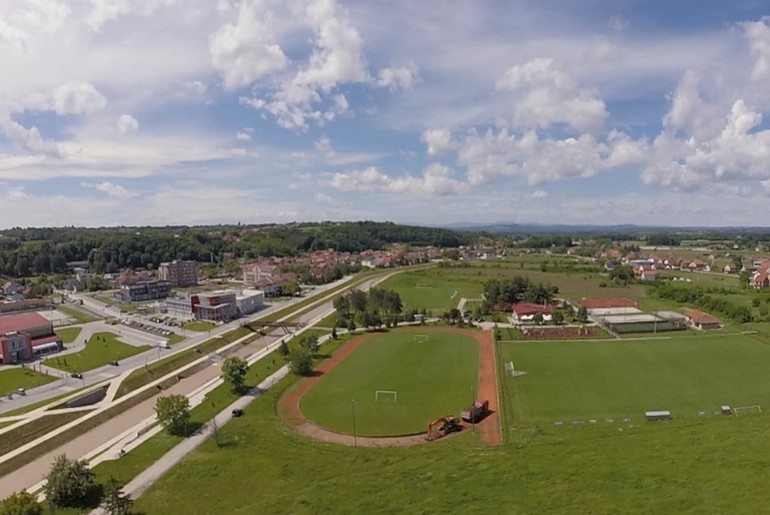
(432, 378)
(199, 325)
(100, 350)
(433, 290)
(689, 466)
(14, 378)
(80, 316)
(68, 334)
(584, 380)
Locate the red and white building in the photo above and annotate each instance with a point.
(701, 320)
(24, 336)
(524, 312)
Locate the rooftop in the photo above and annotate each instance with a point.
(22, 322)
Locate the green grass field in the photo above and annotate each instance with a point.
(432, 379)
(199, 325)
(100, 350)
(68, 334)
(81, 316)
(578, 380)
(14, 378)
(433, 289)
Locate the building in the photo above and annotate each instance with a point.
(26, 335)
(212, 306)
(524, 312)
(249, 301)
(180, 274)
(701, 320)
(259, 272)
(25, 305)
(144, 290)
(648, 275)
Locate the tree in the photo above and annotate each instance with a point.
(69, 483)
(309, 343)
(21, 503)
(334, 332)
(290, 288)
(557, 317)
(538, 319)
(582, 314)
(173, 413)
(283, 349)
(301, 362)
(234, 372)
(115, 501)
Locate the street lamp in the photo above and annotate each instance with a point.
(355, 435)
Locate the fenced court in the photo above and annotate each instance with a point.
(57, 318)
(623, 378)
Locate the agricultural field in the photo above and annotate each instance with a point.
(432, 378)
(100, 350)
(14, 378)
(624, 378)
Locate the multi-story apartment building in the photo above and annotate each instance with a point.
(144, 290)
(179, 273)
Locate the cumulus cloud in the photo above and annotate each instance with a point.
(539, 194)
(103, 11)
(403, 77)
(244, 51)
(70, 98)
(545, 95)
(436, 181)
(111, 189)
(243, 136)
(29, 140)
(127, 124)
(437, 140)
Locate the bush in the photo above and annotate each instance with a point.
(173, 413)
(69, 483)
(301, 361)
(22, 503)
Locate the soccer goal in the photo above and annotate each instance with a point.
(510, 370)
(421, 337)
(747, 410)
(385, 396)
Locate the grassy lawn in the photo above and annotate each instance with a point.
(435, 289)
(199, 325)
(649, 468)
(68, 334)
(14, 378)
(328, 322)
(174, 338)
(100, 350)
(432, 379)
(81, 316)
(574, 380)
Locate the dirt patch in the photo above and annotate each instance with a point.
(489, 428)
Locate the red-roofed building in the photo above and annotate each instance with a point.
(648, 275)
(26, 335)
(761, 280)
(608, 302)
(524, 312)
(701, 320)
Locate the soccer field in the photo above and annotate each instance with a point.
(434, 290)
(581, 380)
(431, 379)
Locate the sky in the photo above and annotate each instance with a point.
(166, 112)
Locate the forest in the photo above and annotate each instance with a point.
(26, 252)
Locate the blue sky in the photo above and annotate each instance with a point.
(133, 112)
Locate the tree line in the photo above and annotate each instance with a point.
(698, 297)
(371, 309)
(518, 289)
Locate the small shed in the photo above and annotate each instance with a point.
(653, 416)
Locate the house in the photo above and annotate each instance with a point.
(12, 288)
(648, 275)
(524, 312)
(696, 265)
(701, 320)
(728, 269)
(760, 280)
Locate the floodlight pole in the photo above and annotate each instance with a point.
(355, 436)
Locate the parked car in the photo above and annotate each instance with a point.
(77, 375)
(114, 363)
(237, 412)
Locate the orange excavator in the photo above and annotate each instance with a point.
(442, 427)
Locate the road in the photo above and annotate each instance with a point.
(68, 384)
(32, 473)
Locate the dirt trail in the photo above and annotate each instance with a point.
(489, 429)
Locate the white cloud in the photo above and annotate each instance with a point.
(12, 35)
(324, 146)
(689, 112)
(757, 34)
(436, 181)
(17, 193)
(403, 77)
(438, 141)
(243, 136)
(546, 96)
(539, 194)
(127, 124)
(245, 51)
(106, 10)
(70, 98)
(111, 189)
(29, 140)
(617, 23)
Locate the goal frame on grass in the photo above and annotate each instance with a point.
(755, 409)
(510, 369)
(421, 337)
(393, 395)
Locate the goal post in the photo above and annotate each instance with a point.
(748, 410)
(385, 396)
(510, 370)
(420, 337)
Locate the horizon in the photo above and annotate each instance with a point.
(260, 112)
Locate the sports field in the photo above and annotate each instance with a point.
(583, 380)
(432, 378)
(433, 290)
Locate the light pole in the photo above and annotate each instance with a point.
(355, 435)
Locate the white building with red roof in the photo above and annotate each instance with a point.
(24, 336)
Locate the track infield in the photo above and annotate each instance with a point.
(488, 429)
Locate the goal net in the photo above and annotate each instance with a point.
(510, 370)
(421, 337)
(747, 410)
(385, 396)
